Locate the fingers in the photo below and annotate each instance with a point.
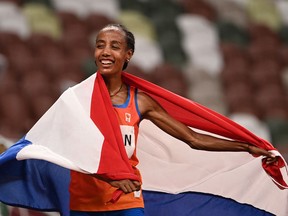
(137, 184)
(270, 157)
(127, 186)
(130, 186)
(272, 160)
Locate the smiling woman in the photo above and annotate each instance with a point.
(114, 48)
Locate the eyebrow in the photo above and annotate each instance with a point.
(113, 42)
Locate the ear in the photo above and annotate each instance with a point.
(129, 54)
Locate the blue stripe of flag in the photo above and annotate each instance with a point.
(196, 204)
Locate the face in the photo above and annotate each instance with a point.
(111, 51)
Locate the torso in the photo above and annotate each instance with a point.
(129, 117)
(90, 194)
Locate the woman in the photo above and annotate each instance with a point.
(114, 49)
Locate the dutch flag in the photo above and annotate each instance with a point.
(80, 132)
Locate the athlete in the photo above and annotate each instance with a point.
(89, 195)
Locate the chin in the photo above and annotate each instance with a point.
(106, 71)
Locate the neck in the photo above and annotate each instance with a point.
(115, 92)
(113, 83)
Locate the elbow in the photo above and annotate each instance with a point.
(195, 146)
(196, 142)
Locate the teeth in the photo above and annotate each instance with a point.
(106, 62)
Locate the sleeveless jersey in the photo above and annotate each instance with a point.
(90, 194)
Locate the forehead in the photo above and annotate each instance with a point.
(111, 34)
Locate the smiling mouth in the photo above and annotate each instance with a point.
(106, 62)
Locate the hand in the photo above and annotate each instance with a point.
(126, 185)
(270, 157)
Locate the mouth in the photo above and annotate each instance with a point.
(106, 62)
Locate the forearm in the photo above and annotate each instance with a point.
(210, 143)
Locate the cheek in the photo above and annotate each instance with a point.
(121, 61)
(122, 56)
(96, 53)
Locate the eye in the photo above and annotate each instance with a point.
(99, 46)
(115, 47)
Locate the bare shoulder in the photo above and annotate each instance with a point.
(144, 98)
(147, 104)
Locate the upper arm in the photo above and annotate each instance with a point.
(153, 111)
(148, 106)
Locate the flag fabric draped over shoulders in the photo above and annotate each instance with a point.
(80, 132)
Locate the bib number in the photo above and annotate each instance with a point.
(128, 136)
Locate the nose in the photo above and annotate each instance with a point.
(106, 51)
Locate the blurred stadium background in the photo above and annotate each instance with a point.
(229, 55)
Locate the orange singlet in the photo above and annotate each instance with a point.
(90, 194)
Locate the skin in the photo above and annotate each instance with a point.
(111, 52)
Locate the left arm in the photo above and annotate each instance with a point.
(152, 111)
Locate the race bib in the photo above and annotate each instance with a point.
(128, 136)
